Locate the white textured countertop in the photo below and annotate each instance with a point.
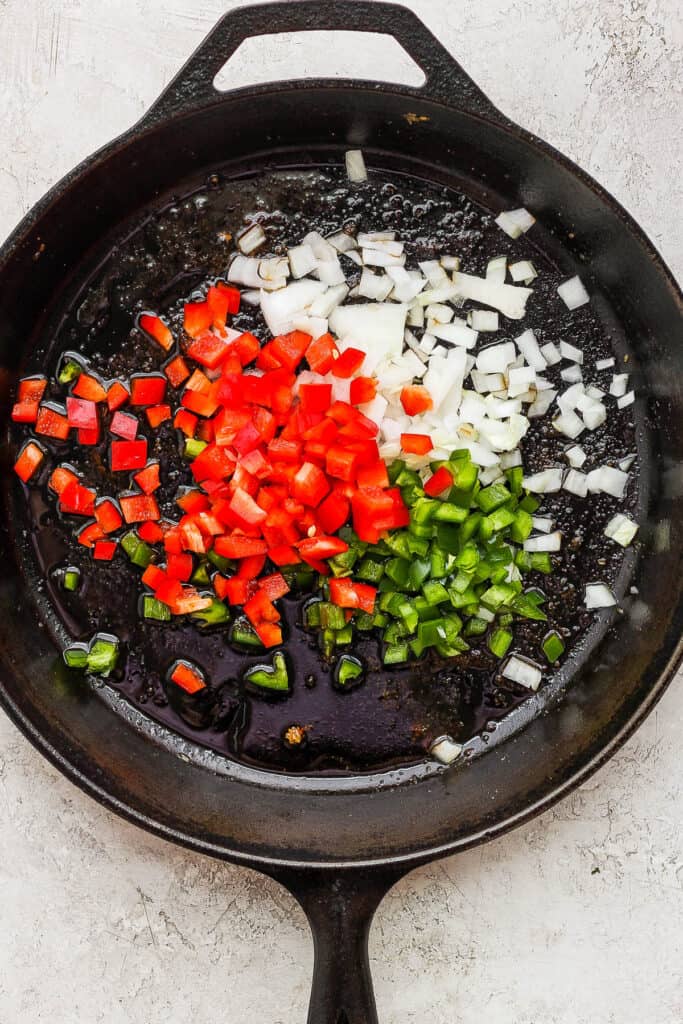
(574, 919)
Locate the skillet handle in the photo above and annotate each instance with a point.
(193, 88)
(340, 907)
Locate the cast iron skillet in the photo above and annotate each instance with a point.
(339, 844)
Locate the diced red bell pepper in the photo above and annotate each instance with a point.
(77, 500)
(177, 371)
(259, 609)
(197, 317)
(283, 554)
(256, 463)
(289, 349)
(348, 363)
(321, 547)
(333, 512)
(137, 508)
(321, 353)
(362, 390)
(168, 591)
(157, 414)
(81, 413)
(366, 450)
(147, 389)
(285, 451)
(155, 327)
(29, 460)
(221, 300)
(269, 633)
(347, 593)
(185, 421)
(107, 515)
(60, 478)
(87, 435)
(192, 537)
(52, 423)
(415, 399)
(90, 534)
(204, 404)
(150, 532)
(188, 679)
(237, 546)
(341, 463)
(315, 397)
(438, 483)
(235, 590)
(213, 463)
(153, 576)
(147, 479)
(208, 349)
(124, 425)
(251, 566)
(117, 395)
(128, 455)
(374, 475)
(275, 585)
(370, 506)
(416, 444)
(89, 387)
(192, 501)
(245, 510)
(266, 359)
(104, 550)
(323, 432)
(179, 567)
(310, 485)
(29, 396)
(246, 439)
(247, 346)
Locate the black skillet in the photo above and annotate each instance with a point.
(339, 843)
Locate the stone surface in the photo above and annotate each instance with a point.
(574, 919)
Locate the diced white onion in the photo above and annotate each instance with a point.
(439, 313)
(594, 414)
(377, 258)
(604, 364)
(626, 463)
(598, 595)
(456, 333)
(572, 374)
(567, 351)
(525, 673)
(520, 380)
(483, 319)
(541, 404)
(329, 300)
(621, 529)
(445, 749)
(496, 358)
(576, 483)
(374, 286)
(569, 424)
(576, 456)
(515, 222)
(355, 165)
(546, 482)
(608, 480)
(544, 542)
(302, 260)
(573, 293)
(508, 298)
(523, 271)
(434, 272)
(280, 307)
(496, 269)
(342, 241)
(251, 239)
(626, 400)
(509, 460)
(375, 327)
(416, 315)
(551, 353)
(529, 347)
(542, 524)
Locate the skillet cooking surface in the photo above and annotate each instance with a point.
(395, 715)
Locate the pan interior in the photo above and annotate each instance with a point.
(155, 262)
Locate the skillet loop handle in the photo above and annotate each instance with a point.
(340, 908)
(193, 88)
